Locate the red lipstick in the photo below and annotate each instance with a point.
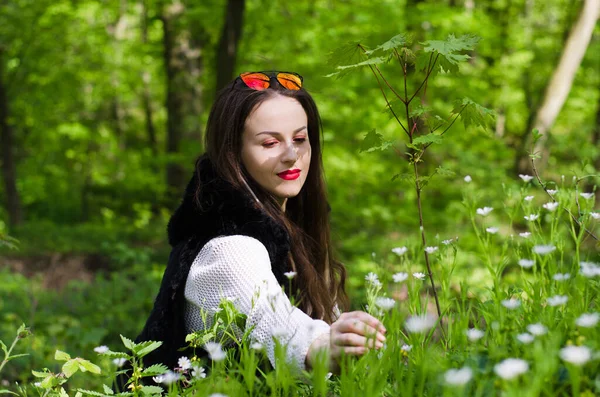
(289, 175)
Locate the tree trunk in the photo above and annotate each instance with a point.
(9, 172)
(596, 144)
(228, 44)
(562, 79)
(146, 97)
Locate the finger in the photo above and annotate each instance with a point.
(351, 339)
(354, 350)
(368, 319)
(356, 326)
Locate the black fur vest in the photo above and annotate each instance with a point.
(223, 211)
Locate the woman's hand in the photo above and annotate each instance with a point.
(353, 333)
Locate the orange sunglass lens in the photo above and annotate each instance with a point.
(289, 81)
(256, 81)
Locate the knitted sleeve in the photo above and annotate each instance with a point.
(239, 267)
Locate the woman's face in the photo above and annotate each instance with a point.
(275, 147)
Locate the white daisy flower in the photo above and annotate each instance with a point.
(552, 206)
(525, 178)
(215, 351)
(419, 275)
(528, 198)
(537, 329)
(511, 303)
(525, 234)
(557, 300)
(595, 215)
(167, 378)
(589, 269)
(101, 349)
(474, 334)
(290, 275)
(372, 278)
(119, 362)
(531, 217)
(588, 320)
(447, 242)
(492, 230)
(400, 277)
(526, 263)
(543, 249)
(587, 196)
(484, 211)
(184, 363)
(198, 372)
(420, 324)
(458, 377)
(577, 355)
(431, 250)
(552, 191)
(406, 348)
(385, 303)
(525, 338)
(511, 368)
(468, 178)
(561, 276)
(399, 250)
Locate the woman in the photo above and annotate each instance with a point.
(254, 211)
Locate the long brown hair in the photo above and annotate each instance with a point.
(320, 280)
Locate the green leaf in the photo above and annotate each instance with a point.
(85, 365)
(146, 347)
(373, 141)
(152, 390)
(39, 374)
(4, 391)
(61, 356)
(403, 177)
(17, 356)
(70, 367)
(111, 354)
(434, 122)
(397, 41)
(472, 113)
(108, 390)
(348, 54)
(449, 51)
(128, 343)
(91, 392)
(535, 133)
(3, 346)
(371, 61)
(50, 382)
(427, 139)
(441, 171)
(417, 110)
(156, 369)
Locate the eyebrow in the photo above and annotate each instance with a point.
(278, 133)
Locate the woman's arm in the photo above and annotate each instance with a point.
(239, 267)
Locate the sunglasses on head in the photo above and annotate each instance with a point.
(262, 80)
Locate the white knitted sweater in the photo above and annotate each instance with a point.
(239, 267)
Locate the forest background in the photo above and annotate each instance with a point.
(103, 106)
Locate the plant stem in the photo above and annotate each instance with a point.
(543, 185)
(7, 354)
(424, 241)
(388, 102)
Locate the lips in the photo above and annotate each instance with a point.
(289, 174)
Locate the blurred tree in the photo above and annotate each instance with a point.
(228, 44)
(560, 84)
(9, 172)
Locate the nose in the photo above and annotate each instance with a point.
(290, 154)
